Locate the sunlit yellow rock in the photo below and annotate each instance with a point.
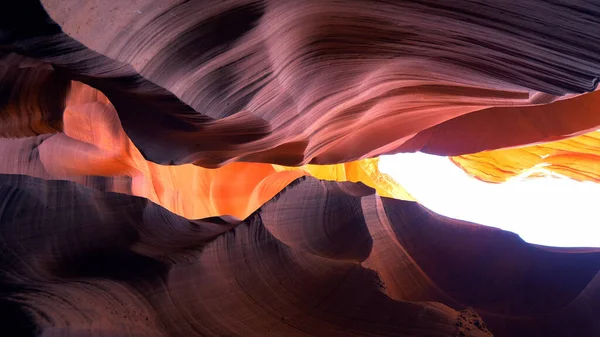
(365, 171)
(577, 158)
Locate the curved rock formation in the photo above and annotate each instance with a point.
(117, 96)
(577, 158)
(366, 266)
(365, 171)
(94, 150)
(136, 269)
(265, 85)
(498, 128)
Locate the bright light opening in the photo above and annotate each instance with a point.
(550, 211)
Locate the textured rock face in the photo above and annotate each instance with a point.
(577, 158)
(366, 266)
(208, 82)
(93, 150)
(98, 97)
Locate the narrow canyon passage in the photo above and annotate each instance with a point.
(299, 168)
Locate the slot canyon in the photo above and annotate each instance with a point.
(212, 167)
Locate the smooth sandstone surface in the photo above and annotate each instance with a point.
(94, 150)
(121, 122)
(367, 265)
(210, 82)
(577, 158)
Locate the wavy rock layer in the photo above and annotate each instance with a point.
(209, 82)
(105, 94)
(365, 171)
(94, 150)
(498, 128)
(138, 270)
(577, 158)
(364, 266)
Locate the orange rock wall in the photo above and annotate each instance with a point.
(577, 158)
(204, 107)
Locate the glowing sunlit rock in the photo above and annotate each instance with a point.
(94, 144)
(365, 171)
(232, 83)
(577, 158)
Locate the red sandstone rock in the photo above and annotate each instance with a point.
(208, 82)
(366, 266)
(213, 82)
